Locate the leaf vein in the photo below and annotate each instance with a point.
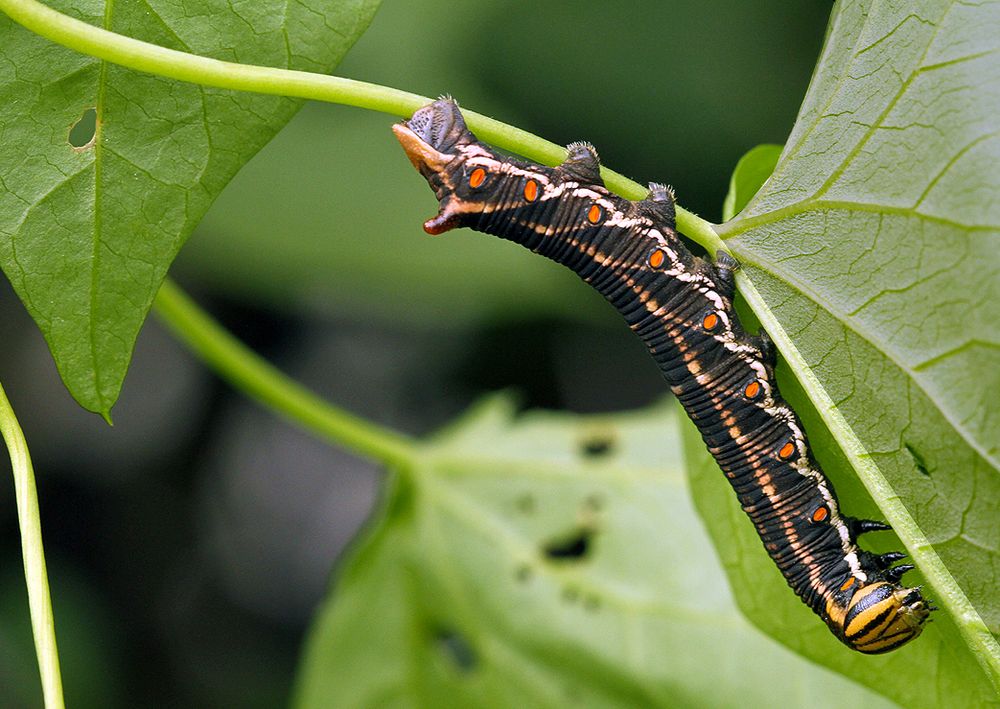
(853, 326)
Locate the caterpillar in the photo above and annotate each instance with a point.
(681, 306)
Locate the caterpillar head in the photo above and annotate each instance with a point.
(880, 617)
(459, 169)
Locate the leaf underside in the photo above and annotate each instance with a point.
(87, 233)
(874, 243)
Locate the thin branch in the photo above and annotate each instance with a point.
(246, 371)
(35, 576)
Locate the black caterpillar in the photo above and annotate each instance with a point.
(681, 307)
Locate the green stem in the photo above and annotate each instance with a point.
(153, 59)
(233, 361)
(35, 576)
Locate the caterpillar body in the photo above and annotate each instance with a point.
(682, 307)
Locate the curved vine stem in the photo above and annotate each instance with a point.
(240, 366)
(153, 59)
(35, 576)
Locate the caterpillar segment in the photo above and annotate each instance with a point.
(682, 307)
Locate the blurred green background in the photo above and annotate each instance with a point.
(190, 543)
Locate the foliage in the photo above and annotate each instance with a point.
(88, 233)
(856, 265)
(508, 564)
(546, 560)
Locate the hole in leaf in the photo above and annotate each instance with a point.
(918, 460)
(525, 503)
(594, 503)
(597, 446)
(570, 547)
(457, 649)
(81, 135)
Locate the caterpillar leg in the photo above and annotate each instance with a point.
(863, 526)
(725, 272)
(884, 561)
(768, 354)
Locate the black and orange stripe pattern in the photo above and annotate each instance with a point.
(681, 306)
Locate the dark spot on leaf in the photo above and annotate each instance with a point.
(597, 446)
(525, 503)
(592, 604)
(918, 460)
(523, 573)
(81, 135)
(594, 503)
(571, 594)
(456, 648)
(570, 547)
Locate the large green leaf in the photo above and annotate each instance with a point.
(874, 245)
(87, 233)
(547, 561)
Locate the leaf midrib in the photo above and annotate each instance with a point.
(93, 296)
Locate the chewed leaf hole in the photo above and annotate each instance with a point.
(570, 547)
(457, 649)
(596, 446)
(918, 460)
(525, 503)
(83, 132)
(570, 594)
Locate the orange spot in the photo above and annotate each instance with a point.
(752, 390)
(847, 584)
(594, 214)
(786, 451)
(820, 514)
(656, 258)
(477, 178)
(531, 191)
(710, 321)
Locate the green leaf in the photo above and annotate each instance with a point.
(751, 172)
(87, 233)
(474, 587)
(872, 254)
